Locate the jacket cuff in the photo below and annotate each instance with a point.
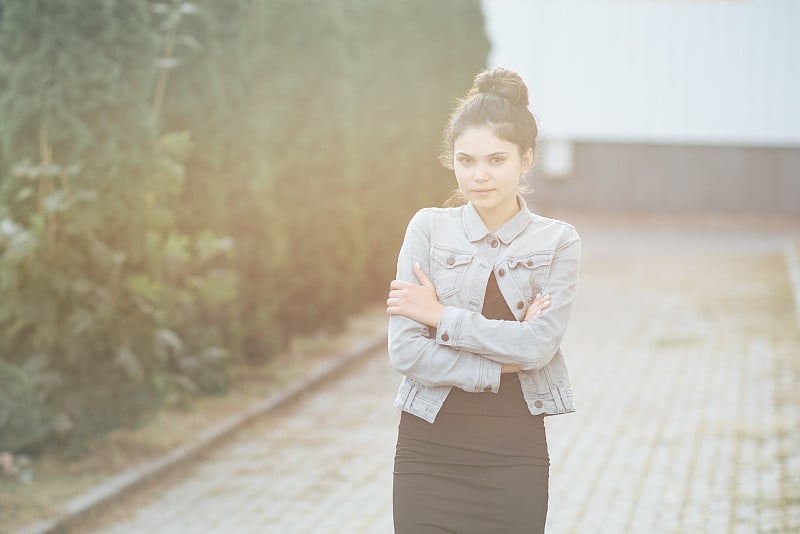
(490, 376)
(448, 330)
(449, 326)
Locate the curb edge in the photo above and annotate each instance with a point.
(125, 482)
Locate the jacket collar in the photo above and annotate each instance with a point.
(476, 230)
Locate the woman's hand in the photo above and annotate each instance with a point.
(539, 304)
(415, 301)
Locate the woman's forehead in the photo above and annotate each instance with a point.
(478, 140)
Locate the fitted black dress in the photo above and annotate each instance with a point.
(482, 467)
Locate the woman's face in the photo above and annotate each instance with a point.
(488, 169)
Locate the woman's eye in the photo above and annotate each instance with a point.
(464, 160)
(498, 160)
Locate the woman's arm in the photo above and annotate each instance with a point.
(420, 303)
(526, 344)
(412, 350)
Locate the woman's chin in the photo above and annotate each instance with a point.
(483, 200)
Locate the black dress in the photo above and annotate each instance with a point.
(482, 467)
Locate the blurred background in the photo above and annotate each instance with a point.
(659, 105)
(188, 186)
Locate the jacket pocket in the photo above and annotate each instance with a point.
(449, 269)
(531, 271)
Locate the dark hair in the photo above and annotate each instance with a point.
(498, 99)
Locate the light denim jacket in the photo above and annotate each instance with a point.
(529, 254)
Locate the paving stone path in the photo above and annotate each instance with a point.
(685, 358)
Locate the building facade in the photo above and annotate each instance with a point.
(659, 105)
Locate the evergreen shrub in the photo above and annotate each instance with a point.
(185, 184)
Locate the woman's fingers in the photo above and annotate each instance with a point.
(394, 301)
(397, 284)
(539, 304)
(421, 276)
(538, 301)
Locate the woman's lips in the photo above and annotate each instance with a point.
(482, 190)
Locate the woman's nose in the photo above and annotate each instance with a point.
(481, 173)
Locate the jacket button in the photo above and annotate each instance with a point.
(501, 272)
(538, 404)
(451, 261)
(494, 243)
(520, 305)
(445, 337)
(529, 263)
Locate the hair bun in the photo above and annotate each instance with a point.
(502, 82)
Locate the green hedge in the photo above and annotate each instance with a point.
(183, 184)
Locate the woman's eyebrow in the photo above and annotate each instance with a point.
(493, 154)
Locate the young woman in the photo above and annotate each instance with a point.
(481, 301)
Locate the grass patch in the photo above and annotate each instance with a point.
(58, 478)
(675, 342)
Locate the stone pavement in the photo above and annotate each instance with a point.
(685, 358)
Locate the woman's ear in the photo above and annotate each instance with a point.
(527, 160)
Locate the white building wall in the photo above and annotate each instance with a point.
(706, 72)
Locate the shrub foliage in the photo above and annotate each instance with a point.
(185, 184)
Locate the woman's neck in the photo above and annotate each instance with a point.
(494, 219)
